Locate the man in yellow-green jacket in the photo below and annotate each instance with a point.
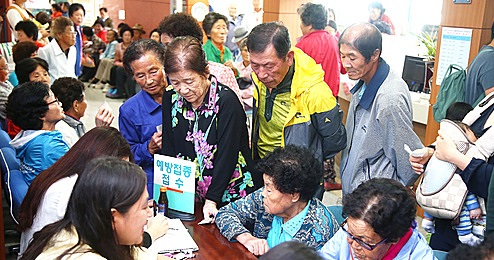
(292, 103)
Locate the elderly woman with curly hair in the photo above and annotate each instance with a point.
(285, 209)
(380, 224)
(33, 107)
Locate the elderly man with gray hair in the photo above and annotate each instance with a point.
(379, 121)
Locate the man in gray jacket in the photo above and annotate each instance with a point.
(379, 120)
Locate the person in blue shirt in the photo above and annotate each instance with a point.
(141, 114)
(284, 209)
(33, 107)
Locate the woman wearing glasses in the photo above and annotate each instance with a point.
(33, 107)
(380, 225)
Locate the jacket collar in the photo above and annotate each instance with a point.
(373, 86)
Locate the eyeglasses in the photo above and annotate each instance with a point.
(54, 101)
(71, 33)
(363, 244)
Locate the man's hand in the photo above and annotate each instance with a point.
(104, 117)
(255, 245)
(157, 226)
(419, 162)
(155, 143)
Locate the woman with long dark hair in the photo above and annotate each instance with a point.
(105, 217)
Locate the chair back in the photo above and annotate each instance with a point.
(14, 182)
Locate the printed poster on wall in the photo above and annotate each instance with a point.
(179, 177)
(455, 49)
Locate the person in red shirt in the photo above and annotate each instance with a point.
(377, 16)
(322, 46)
(99, 30)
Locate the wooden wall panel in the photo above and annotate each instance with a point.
(467, 15)
(149, 13)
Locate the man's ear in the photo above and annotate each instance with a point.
(376, 55)
(289, 57)
(295, 196)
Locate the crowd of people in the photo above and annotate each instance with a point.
(256, 113)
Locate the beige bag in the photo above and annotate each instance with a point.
(441, 192)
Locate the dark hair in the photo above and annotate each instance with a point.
(126, 29)
(293, 169)
(333, 25)
(313, 14)
(492, 32)
(23, 50)
(113, 184)
(43, 18)
(210, 19)
(153, 31)
(26, 105)
(382, 26)
(98, 142)
(367, 41)
(385, 204)
(121, 25)
(293, 250)
(57, 7)
(99, 21)
(185, 52)
(88, 31)
(59, 25)
(377, 5)
(67, 90)
(27, 66)
(76, 7)
(266, 34)
(104, 9)
(29, 28)
(458, 110)
(181, 24)
(139, 48)
(66, 4)
(484, 251)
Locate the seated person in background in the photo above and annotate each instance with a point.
(60, 53)
(99, 30)
(106, 223)
(285, 209)
(215, 26)
(70, 92)
(244, 80)
(27, 31)
(24, 50)
(32, 69)
(380, 224)
(155, 35)
(5, 90)
(118, 77)
(33, 107)
(106, 59)
(182, 24)
(292, 250)
(46, 200)
(92, 50)
(20, 51)
(56, 10)
(379, 19)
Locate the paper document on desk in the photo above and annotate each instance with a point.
(177, 239)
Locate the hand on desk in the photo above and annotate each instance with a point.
(209, 210)
(157, 226)
(255, 245)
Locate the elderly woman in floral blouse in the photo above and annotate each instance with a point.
(203, 121)
(285, 209)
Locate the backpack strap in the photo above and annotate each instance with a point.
(475, 114)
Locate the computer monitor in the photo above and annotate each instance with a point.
(414, 73)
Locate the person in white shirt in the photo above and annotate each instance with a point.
(60, 53)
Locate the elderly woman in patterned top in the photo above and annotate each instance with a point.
(204, 122)
(285, 209)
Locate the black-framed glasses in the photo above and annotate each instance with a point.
(363, 244)
(54, 101)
